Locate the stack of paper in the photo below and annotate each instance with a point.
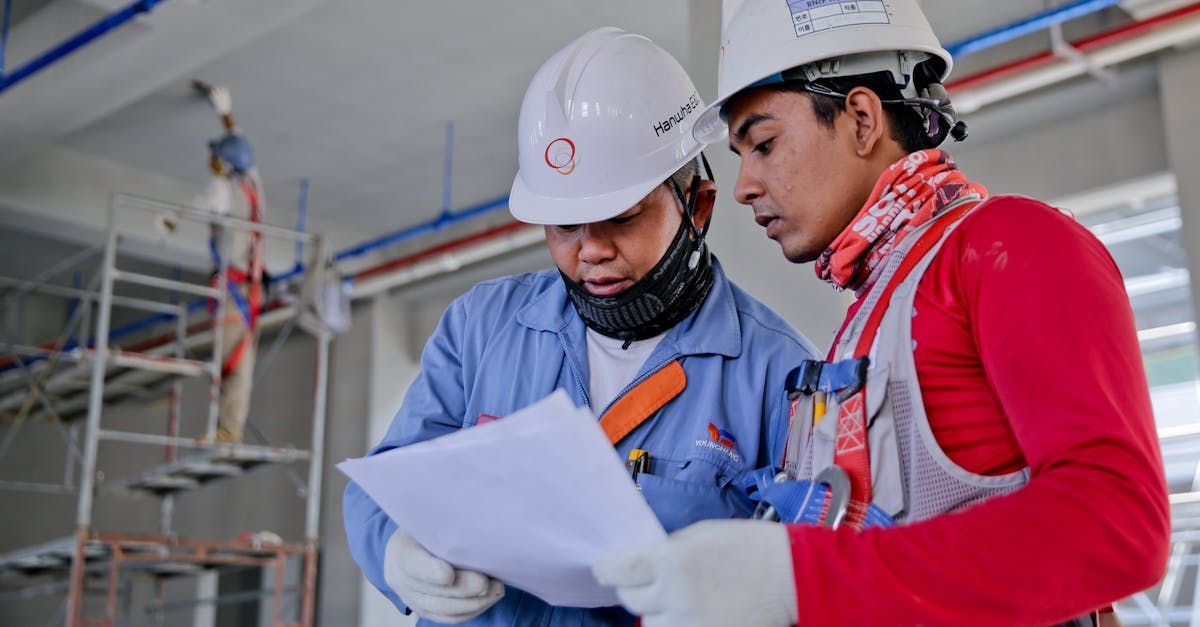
(532, 499)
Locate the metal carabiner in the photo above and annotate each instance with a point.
(839, 494)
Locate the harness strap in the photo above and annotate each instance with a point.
(251, 305)
(235, 356)
(851, 449)
(254, 292)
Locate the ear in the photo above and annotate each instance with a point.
(706, 199)
(870, 122)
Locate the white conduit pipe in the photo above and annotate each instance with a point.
(448, 262)
(970, 99)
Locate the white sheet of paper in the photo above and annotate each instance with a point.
(532, 499)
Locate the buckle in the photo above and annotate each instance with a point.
(845, 377)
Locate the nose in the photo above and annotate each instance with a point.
(748, 187)
(595, 245)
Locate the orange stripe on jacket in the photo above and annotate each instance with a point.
(642, 401)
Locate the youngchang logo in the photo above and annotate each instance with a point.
(721, 440)
(560, 155)
(692, 105)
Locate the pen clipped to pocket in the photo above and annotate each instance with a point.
(637, 463)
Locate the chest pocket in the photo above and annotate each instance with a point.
(681, 492)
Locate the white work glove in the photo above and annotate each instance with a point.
(221, 99)
(714, 573)
(432, 587)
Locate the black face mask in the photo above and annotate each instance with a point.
(672, 290)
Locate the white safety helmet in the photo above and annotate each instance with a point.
(761, 39)
(604, 121)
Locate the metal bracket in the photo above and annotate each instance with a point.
(1064, 50)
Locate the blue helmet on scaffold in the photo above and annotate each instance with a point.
(234, 150)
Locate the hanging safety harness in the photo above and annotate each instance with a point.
(252, 278)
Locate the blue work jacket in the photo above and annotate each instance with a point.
(511, 341)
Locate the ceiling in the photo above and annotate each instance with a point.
(355, 94)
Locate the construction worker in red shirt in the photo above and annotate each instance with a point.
(979, 446)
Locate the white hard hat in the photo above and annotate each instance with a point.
(762, 38)
(604, 121)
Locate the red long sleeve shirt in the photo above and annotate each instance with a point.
(1026, 354)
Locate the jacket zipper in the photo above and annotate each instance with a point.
(574, 370)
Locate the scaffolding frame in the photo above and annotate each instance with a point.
(127, 371)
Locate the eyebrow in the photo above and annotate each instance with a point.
(749, 123)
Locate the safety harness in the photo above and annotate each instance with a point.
(816, 498)
(251, 305)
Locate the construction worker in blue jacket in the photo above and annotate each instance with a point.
(638, 321)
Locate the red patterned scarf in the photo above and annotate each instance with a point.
(911, 192)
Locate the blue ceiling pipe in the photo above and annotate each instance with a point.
(1027, 26)
(76, 42)
(444, 220)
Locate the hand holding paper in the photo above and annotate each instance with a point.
(433, 588)
(532, 500)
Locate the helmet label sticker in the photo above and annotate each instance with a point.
(814, 16)
(692, 105)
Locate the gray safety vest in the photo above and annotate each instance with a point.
(912, 478)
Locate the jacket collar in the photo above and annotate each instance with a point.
(714, 328)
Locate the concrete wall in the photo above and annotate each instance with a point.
(392, 369)
(346, 430)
